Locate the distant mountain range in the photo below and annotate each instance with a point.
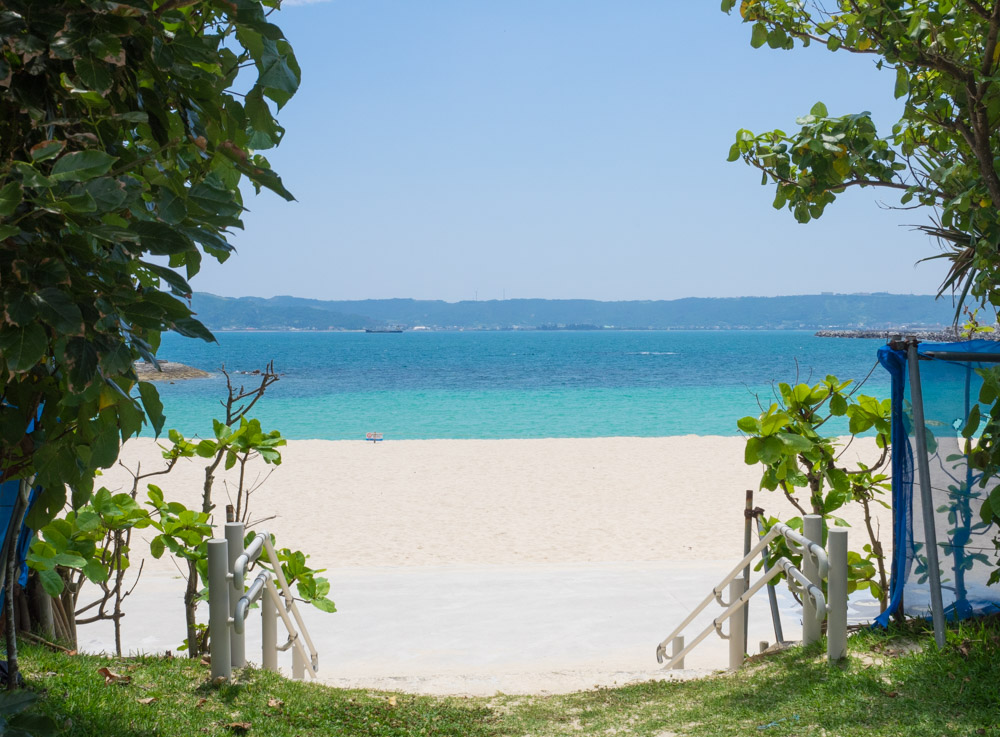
(811, 312)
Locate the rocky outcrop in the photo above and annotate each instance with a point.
(169, 371)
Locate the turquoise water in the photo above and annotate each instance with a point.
(509, 384)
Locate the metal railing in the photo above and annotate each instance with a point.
(818, 564)
(229, 602)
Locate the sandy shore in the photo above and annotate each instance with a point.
(424, 519)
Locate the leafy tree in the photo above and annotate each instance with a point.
(942, 152)
(122, 147)
(787, 438)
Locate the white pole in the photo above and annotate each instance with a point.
(269, 638)
(737, 625)
(812, 526)
(298, 665)
(289, 627)
(926, 503)
(237, 642)
(836, 622)
(677, 645)
(218, 609)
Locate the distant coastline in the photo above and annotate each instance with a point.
(895, 313)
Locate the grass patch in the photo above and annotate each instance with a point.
(894, 683)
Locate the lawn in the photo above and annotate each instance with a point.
(893, 683)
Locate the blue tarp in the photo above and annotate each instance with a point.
(8, 495)
(950, 388)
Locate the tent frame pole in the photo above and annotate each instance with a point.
(926, 503)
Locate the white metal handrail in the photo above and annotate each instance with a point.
(818, 566)
(229, 604)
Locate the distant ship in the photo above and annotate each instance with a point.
(386, 329)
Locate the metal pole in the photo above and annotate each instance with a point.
(298, 665)
(218, 609)
(237, 642)
(812, 526)
(737, 641)
(772, 596)
(926, 504)
(836, 620)
(269, 638)
(676, 646)
(747, 522)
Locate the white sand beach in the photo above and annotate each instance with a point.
(471, 566)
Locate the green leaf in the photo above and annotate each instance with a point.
(902, 81)
(758, 37)
(772, 450)
(14, 702)
(795, 443)
(156, 547)
(972, 423)
(162, 240)
(47, 150)
(80, 166)
(22, 347)
(93, 73)
(95, 571)
(323, 604)
(51, 581)
(10, 198)
(60, 311)
(7, 231)
(152, 405)
(81, 360)
(838, 405)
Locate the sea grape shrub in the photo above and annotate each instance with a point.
(981, 434)
(120, 140)
(805, 465)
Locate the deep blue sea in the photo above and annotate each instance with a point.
(509, 384)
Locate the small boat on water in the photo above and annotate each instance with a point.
(386, 329)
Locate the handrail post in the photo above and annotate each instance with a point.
(298, 665)
(812, 528)
(234, 537)
(218, 609)
(737, 626)
(926, 503)
(676, 646)
(836, 622)
(269, 637)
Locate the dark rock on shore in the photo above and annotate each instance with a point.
(169, 371)
(937, 335)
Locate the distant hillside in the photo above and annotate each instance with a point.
(810, 312)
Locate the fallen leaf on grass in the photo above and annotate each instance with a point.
(275, 703)
(891, 694)
(111, 677)
(392, 701)
(147, 700)
(201, 703)
(206, 661)
(239, 726)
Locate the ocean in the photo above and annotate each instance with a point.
(537, 384)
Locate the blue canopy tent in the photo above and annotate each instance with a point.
(943, 553)
(8, 496)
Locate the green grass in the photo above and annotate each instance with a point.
(894, 683)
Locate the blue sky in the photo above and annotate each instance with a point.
(460, 150)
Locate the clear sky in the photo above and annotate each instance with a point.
(554, 148)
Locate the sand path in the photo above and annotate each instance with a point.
(471, 566)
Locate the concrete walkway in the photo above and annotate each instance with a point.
(478, 630)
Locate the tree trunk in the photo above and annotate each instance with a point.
(190, 604)
(9, 566)
(41, 607)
